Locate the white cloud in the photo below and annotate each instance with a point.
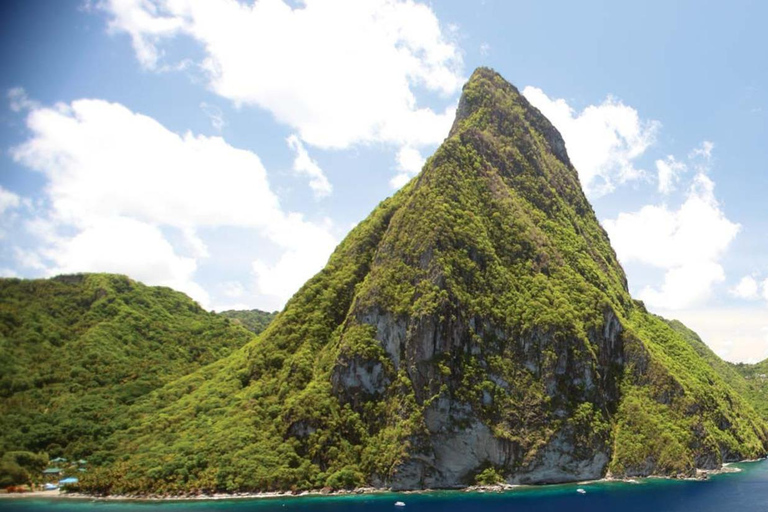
(668, 171)
(746, 289)
(304, 165)
(194, 244)
(8, 272)
(232, 289)
(19, 101)
(764, 287)
(141, 19)
(602, 140)
(101, 160)
(687, 243)
(704, 150)
(127, 246)
(8, 200)
(110, 168)
(339, 72)
(307, 248)
(215, 114)
(738, 335)
(685, 286)
(29, 259)
(409, 164)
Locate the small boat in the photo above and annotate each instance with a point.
(581, 491)
(399, 504)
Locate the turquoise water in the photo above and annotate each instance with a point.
(735, 492)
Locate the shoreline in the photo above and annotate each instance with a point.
(701, 475)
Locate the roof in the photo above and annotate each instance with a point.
(70, 480)
(51, 471)
(59, 459)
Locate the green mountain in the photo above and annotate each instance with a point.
(756, 379)
(476, 327)
(76, 351)
(749, 380)
(252, 319)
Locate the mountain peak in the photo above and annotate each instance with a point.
(476, 322)
(488, 100)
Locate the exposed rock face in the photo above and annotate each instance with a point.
(458, 444)
(476, 325)
(535, 400)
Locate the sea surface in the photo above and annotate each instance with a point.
(732, 492)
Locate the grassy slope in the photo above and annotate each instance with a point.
(495, 231)
(77, 351)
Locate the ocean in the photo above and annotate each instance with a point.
(733, 492)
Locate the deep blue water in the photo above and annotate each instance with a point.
(735, 492)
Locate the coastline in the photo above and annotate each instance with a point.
(701, 475)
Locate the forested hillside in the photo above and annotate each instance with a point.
(252, 319)
(476, 327)
(77, 351)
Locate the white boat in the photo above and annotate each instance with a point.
(399, 504)
(581, 491)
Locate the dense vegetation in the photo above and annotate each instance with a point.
(475, 327)
(252, 319)
(77, 351)
(756, 384)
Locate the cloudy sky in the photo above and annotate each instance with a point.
(224, 148)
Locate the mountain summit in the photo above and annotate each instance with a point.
(476, 327)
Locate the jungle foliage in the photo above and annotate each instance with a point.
(492, 254)
(77, 351)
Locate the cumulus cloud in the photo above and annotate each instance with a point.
(304, 165)
(339, 73)
(101, 159)
(747, 288)
(9, 206)
(142, 20)
(704, 150)
(307, 248)
(215, 114)
(19, 101)
(409, 164)
(668, 171)
(687, 243)
(232, 289)
(127, 246)
(8, 200)
(738, 335)
(8, 272)
(603, 141)
(108, 168)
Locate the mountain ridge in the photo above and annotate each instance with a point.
(76, 351)
(478, 321)
(476, 326)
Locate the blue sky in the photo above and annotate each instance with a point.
(225, 148)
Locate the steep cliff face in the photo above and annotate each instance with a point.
(474, 295)
(477, 322)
